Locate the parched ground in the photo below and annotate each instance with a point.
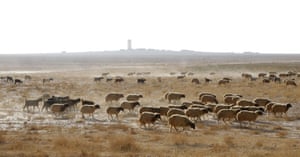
(37, 133)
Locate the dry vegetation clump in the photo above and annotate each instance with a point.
(123, 143)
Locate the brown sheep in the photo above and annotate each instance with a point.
(231, 100)
(196, 81)
(247, 116)
(175, 111)
(149, 109)
(291, 83)
(180, 121)
(208, 98)
(223, 82)
(175, 96)
(261, 101)
(130, 105)
(227, 114)
(206, 93)
(58, 109)
(182, 107)
(220, 107)
(164, 111)
(89, 109)
(196, 113)
(113, 97)
(280, 108)
(134, 97)
(148, 118)
(244, 102)
(113, 111)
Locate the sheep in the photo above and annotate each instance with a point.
(183, 107)
(269, 106)
(163, 111)
(209, 98)
(175, 111)
(18, 81)
(33, 103)
(262, 75)
(261, 101)
(149, 109)
(166, 95)
(141, 80)
(206, 93)
(113, 111)
(280, 108)
(47, 80)
(227, 114)
(60, 100)
(249, 108)
(266, 80)
(113, 97)
(220, 107)
(148, 118)
(244, 102)
(231, 100)
(223, 82)
(291, 83)
(134, 97)
(186, 104)
(248, 116)
(196, 81)
(196, 113)
(58, 108)
(87, 102)
(119, 79)
(130, 105)
(197, 102)
(73, 103)
(89, 109)
(180, 121)
(98, 79)
(231, 94)
(175, 96)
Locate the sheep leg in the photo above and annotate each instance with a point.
(82, 116)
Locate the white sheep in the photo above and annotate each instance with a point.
(113, 111)
(248, 116)
(280, 108)
(89, 109)
(180, 121)
(148, 118)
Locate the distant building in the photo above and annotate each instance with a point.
(129, 45)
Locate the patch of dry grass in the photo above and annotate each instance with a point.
(123, 143)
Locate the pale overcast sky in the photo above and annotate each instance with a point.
(42, 26)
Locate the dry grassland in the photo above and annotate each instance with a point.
(40, 134)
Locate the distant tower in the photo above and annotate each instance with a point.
(129, 45)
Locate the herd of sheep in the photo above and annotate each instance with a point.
(177, 113)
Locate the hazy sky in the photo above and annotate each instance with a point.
(42, 26)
